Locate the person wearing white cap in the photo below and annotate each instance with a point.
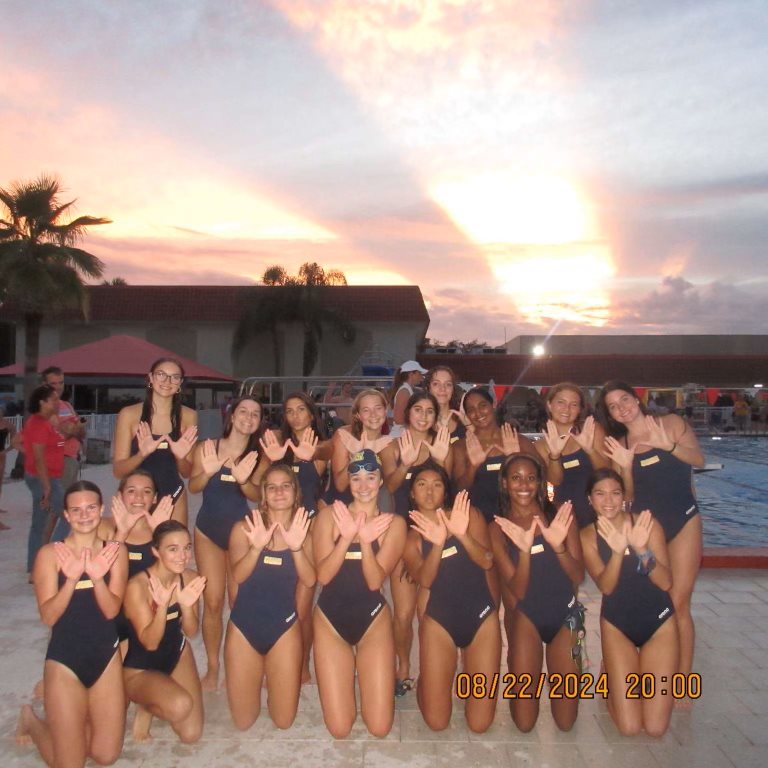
(409, 375)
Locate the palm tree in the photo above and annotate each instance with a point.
(41, 270)
(118, 281)
(295, 299)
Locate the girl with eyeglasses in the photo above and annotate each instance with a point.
(158, 435)
(79, 584)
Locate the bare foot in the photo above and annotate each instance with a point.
(26, 717)
(141, 725)
(211, 680)
(39, 690)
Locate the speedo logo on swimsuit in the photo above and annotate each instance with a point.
(493, 467)
(174, 615)
(571, 464)
(227, 478)
(689, 510)
(117, 642)
(377, 609)
(484, 611)
(573, 602)
(650, 460)
(290, 617)
(84, 584)
(664, 613)
(537, 549)
(450, 552)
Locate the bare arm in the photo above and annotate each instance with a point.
(123, 463)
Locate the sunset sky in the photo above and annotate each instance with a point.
(533, 165)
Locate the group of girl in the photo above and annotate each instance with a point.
(455, 513)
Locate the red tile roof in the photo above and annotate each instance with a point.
(225, 303)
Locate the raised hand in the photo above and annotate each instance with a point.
(272, 447)
(554, 534)
(209, 458)
(475, 451)
(295, 535)
(522, 538)
(256, 532)
(124, 518)
(510, 441)
(377, 445)
(161, 595)
(657, 434)
(458, 523)
(616, 538)
(409, 451)
(619, 453)
(69, 563)
(181, 447)
(554, 440)
(347, 525)
(161, 512)
(349, 441)
(97, 567)
(585, 438)
(305, 449)
(639, 534)
(440, 446)
(433, 531)
(189, 596)
(147, 444)
(370, 530)
(243, 470)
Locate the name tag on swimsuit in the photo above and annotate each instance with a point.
(164, 444)
(408, 475)
(174, 615)
(650, 460)
(571, 464)
(135, 556)
(269, 560)
(454, 439)
(493, 467)
(537, 549)
(296, 468)
(84, 584)
(227, 478)
(450, 552)
(353, 556)
(626, 551)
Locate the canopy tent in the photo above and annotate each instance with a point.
(116, 356)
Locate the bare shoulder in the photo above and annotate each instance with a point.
(188, 416)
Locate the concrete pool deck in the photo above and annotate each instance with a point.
(727, 727)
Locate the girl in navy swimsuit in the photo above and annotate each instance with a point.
(442, 384)
(655, 456)
(226, 471)
(158, 435)
(538, 555)
(449, 555)
(626, 556)
(79, 584)
(356, 548)
(159, 669)
(270, 553)
(569, 449)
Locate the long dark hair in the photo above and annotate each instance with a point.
(43, 392)
(542, 497)
(455, 401)
(612, 427)
(148, 408)
(431, 466)
(485, 394)
(253, 440)
(604, 473)
(417, 397)
(286, 433)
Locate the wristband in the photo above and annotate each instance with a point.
(553, 458)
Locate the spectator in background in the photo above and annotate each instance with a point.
(342, 401)
(740, 412)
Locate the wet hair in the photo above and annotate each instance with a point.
(542, 497)
(286, 433)
(148, 407)
(166, 528)
(455, 400)
(357, 424)
(569, 386)
(417, 397)
(82, 485)
(431, 466)
(604, 473)
(612, 427)
(294, 478)
(253, 440)
(136, 472)
(485, 394)
(43, 392)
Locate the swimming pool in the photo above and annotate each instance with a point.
(733, 500)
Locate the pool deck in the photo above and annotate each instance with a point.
(728, 726)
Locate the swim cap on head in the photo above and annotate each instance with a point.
(363, 461)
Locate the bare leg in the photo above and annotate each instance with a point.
(659, 658)
(376, 675)
(526, 655)
(142, 722)
(560, 661)
(404, 602)
(106, 714)
(621, 659)
(245, 672)
(211, 563)
(283, 667)
(437, 666)
(304, 598)
(483, 656)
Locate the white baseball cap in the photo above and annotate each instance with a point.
(411, 365)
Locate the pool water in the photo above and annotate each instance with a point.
(733, 500)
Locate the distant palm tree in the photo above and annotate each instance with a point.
(115, 281)
(41, 270)
(294, 300)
